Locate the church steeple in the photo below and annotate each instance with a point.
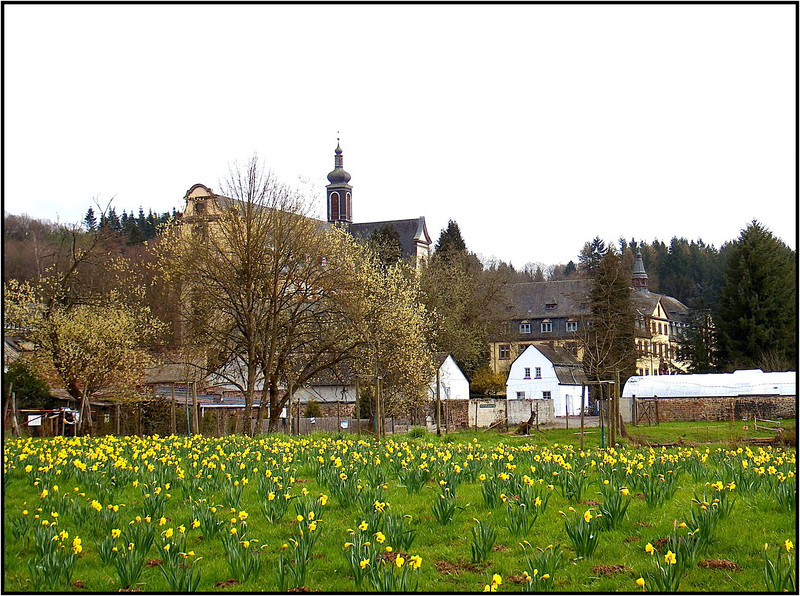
(639, 274)
(339, 192)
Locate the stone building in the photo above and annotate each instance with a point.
(553, 313)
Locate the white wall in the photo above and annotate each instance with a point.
(563, 396)
(486, 411)
(452, 382)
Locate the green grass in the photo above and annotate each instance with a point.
(756, 519)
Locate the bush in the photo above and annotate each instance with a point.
(29, 386)
(415, 432)
(312, 410)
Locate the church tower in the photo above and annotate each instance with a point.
(639, 274)
(340, 193)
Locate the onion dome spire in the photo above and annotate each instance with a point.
(338, 175)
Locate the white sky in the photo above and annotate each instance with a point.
(535, 127)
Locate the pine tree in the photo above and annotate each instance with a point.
(450, 240)
(758, 310)
(609, 337)
(90, 221)
(591, 255)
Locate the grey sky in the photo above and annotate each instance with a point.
(535, 127)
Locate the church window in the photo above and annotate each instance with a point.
(334, 202)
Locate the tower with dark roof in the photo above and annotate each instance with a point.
(339, 192)
(639, 274)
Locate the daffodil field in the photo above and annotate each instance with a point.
(325, 513)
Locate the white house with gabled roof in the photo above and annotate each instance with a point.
(551, 373)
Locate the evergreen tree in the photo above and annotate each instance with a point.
(609, 337)
(591, 255)
(570, 269)
(90, 221)
(450, 240)
(758, 310)
(697, 343)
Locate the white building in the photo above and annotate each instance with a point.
(735, 384)
(453, 383)
(542, 372)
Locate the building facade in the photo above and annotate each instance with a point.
(553, 314)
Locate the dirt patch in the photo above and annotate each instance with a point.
(719, 564)
(499, 548)
(590, 503)
(451, 568)
(78, 585)
(516, 579)
(639, 496)
(630, 539)
(226, 583)
(390, 557)
(153, 562)
(300, 589)
(609, 569)
(659, 542)
(643, 524)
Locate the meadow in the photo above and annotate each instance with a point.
(469, 511)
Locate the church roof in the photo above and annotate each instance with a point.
(410, 232)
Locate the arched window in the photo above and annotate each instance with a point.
(334, 206)
(348, 206)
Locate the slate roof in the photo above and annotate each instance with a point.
(410, 232)
(568, 369)
(645, 304)
(529, 300)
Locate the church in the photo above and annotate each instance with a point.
(202, 203)
(412, 233)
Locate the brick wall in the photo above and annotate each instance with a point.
(689, 409)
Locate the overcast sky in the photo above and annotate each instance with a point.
(535, 127)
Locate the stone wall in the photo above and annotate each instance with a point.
(486, 412)
(690, 409)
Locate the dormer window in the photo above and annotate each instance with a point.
(547, 326)
(199, 208)
(525, 327)
(550, 306)
(572, 325)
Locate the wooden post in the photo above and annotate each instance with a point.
(186, 404)
(117, 418)
(172, 420)
(358, 409)
(658, 417)
(583, 400)
(195, 413)
(438, 407)
(379, 419)
(566, 411)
